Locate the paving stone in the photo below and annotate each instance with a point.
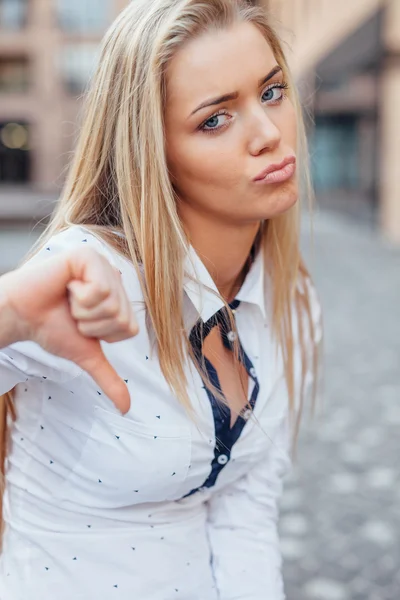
(379, 532)
(345, 483)
(325, 589)
(294, 524)
(292, 548)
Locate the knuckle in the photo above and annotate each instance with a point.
(85, 328)
(113, 309)
(134, 328)
(75, 311)
(123, 322)
(113, 338)
(104, 287)
(101, 290)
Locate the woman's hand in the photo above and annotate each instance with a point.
(67, 304)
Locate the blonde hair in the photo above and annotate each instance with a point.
(118, 179)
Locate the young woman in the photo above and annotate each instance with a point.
(186, 178)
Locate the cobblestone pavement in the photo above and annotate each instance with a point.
(340, 515)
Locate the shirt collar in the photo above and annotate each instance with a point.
(204, 295)
(253, 287)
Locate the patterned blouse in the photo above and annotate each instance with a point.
(153, 505)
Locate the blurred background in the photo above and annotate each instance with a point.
(340, 525)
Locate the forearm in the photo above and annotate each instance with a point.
(10, 330)
(27, 293)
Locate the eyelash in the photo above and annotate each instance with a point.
(281, 86)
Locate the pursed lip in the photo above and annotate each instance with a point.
(275, 167)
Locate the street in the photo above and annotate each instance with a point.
(340, 517)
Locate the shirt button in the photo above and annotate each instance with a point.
(232, 336)
(253, 372)
(247, 414)
(222, 459)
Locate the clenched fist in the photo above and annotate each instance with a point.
(67, 304)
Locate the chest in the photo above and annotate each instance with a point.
(84, 452)
(230, 371)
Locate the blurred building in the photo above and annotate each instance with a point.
(346, 57)
(48, 49)
(345, 54)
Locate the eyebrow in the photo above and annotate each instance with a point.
(235, 95)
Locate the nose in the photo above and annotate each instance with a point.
(265, 135)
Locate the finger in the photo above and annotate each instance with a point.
(126, 315)
(98, 367)
(124, 335)
(122, 328)
(127, 310)
(91, 294)
(86, 301)
(106, 309)
(114, 320)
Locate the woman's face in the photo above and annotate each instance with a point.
(228, 120)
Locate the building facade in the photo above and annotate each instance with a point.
(345, 55)
(47, 51)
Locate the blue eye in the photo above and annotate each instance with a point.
(269, 95)
(274, 93)
(215, 122)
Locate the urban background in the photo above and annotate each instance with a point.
(340, 525)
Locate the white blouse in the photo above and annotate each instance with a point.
(152, 505)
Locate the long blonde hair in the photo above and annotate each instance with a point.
(118, 179)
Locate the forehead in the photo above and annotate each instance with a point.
(218, 62)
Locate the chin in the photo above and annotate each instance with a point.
(280, 201)
(287, 201)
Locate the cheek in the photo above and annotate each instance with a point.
(289, 127)
(204, 162)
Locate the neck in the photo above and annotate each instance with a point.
(224, 250)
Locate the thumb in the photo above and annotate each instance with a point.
(98, 367)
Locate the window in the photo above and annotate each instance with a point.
(335, 153)
(14, 75)
(77, 63)
(13, 14)
(14, 153)
(84, 16)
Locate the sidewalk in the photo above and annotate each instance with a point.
(341, 508)
(15, 241)
(20, 209)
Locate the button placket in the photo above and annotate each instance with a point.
(247, 414)
(232, 336)
(226, 435)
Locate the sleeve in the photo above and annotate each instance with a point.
(242, 529)
(25, 360)
(10, 374)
